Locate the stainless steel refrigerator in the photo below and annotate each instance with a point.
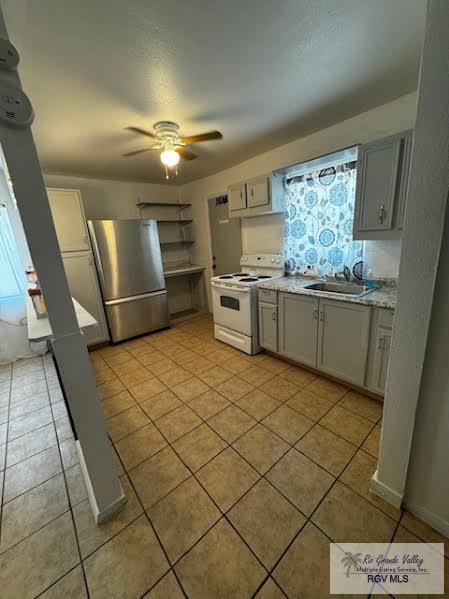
(129, 264)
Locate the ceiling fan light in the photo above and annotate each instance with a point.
(169, 158)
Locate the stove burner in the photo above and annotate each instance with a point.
(264, 276)
(249, 280)
(240, 274)
(226, 277)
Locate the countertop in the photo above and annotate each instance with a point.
(384, 297)
(39, 329)
(185, 269)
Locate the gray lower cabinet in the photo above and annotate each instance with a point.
(268, 326)
(343, 337)
(298, 319)
(379, 350)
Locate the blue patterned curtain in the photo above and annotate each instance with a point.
(319, 219)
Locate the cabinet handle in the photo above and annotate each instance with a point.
(380, 344)
(381, 214)
(241, 194)
(252, 191)
(322, 316)
(315, 314)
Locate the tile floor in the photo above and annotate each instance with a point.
(239, 471)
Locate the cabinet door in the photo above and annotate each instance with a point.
(237, 197)
(298, 327)
(258, 192)
(268, 326)
(377, 182)
(343, 338)
(82, 279)
(68, 215)
(381, 358)
(403, 179)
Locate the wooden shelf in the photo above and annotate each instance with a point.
(180, 241)
(177, 271)
(143, 204)
(181, 221)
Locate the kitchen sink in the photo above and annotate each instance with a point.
(346, 288)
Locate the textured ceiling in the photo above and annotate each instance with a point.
(262, 72)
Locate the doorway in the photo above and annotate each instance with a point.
(226, 237)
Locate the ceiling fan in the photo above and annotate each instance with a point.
(167, 139)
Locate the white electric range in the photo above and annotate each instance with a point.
(234, 300)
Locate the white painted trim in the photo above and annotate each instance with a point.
(111, 510)
(427, 516)
(381, 490)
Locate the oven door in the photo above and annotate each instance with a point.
(232, 307)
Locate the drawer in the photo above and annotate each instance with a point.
(268, 296)
(385, 317)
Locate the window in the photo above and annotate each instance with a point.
(319, 216)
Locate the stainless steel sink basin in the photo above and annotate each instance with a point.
(346, 288)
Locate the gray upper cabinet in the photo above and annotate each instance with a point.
(379, 350)
(382, 178)
(261, 195)
(268, 326)
(343, 336)
(298, 317)
(258, 192)
(237, 197)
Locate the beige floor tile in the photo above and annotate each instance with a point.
(220, 356)
(300, 480)
(346, 517)
(29, 422)
(371, 443)
(424, 531)
(75, 485)
(127, 565)
(299, 376)
(117, 403)
(126, 422)
(167, 588)
(39, 560)
(311, 405)
(22, 393)
(157, 476)
(234, 388)
(202, 572)
(198, 447)
(227, 477)
(327, 389)
(175, 377)
(21, 408)
(288, 424)
(104, 374)
(161, 366)
(31, 472)
(256, 376)
(348, 425)
(215, 376)
(301, 572)
(208, 404)
(110, 388)
(275, 365)
(173, 349)
(117, 358)
(147, 389)
(357, 475)
(185, 357)
(178, 423)
(267, 522)
(190, 389)
(30, 444)
(236, 365)
(69, 453)
(135, 377)
(70, 586)
(90, 535)
(279, 388)
(364, 406)
(204, 348)
(140, 445)
(147, 355)
(128, 366)
(33, 510)
(270, 590)
(163, 403)
(183, 517)
(258, 404)
(198, 365)
(231, 423)
(261, 448)
(327, 449)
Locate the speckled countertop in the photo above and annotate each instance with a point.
(384, 297)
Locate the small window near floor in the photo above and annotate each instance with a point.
(319, 215)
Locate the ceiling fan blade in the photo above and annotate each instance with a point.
(138, 152)
(141, 132)
(186, 154)
(194, 139)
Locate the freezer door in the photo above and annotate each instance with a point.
(128, 257)
(137, 315)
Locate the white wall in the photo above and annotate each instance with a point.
(113, 199)
(382, 258)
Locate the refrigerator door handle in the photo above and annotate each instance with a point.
(131, 298)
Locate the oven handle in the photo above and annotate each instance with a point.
(236, 289)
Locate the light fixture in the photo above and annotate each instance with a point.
(169, 158)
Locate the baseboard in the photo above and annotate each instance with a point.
(429, 517)
(109, 512)
(380, 489)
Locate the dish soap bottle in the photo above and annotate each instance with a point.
(370, 280)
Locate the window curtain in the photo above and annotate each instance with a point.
(319, 220)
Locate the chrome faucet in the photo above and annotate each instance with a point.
(346, 274)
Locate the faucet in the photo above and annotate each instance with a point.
(346, 274)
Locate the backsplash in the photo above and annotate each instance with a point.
(382, 258)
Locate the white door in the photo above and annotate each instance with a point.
(232, 307)
(225, 237)
(82, 279)
(258, 192)
(70, 223)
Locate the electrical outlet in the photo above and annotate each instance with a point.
(15, 107)
(9, 57)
